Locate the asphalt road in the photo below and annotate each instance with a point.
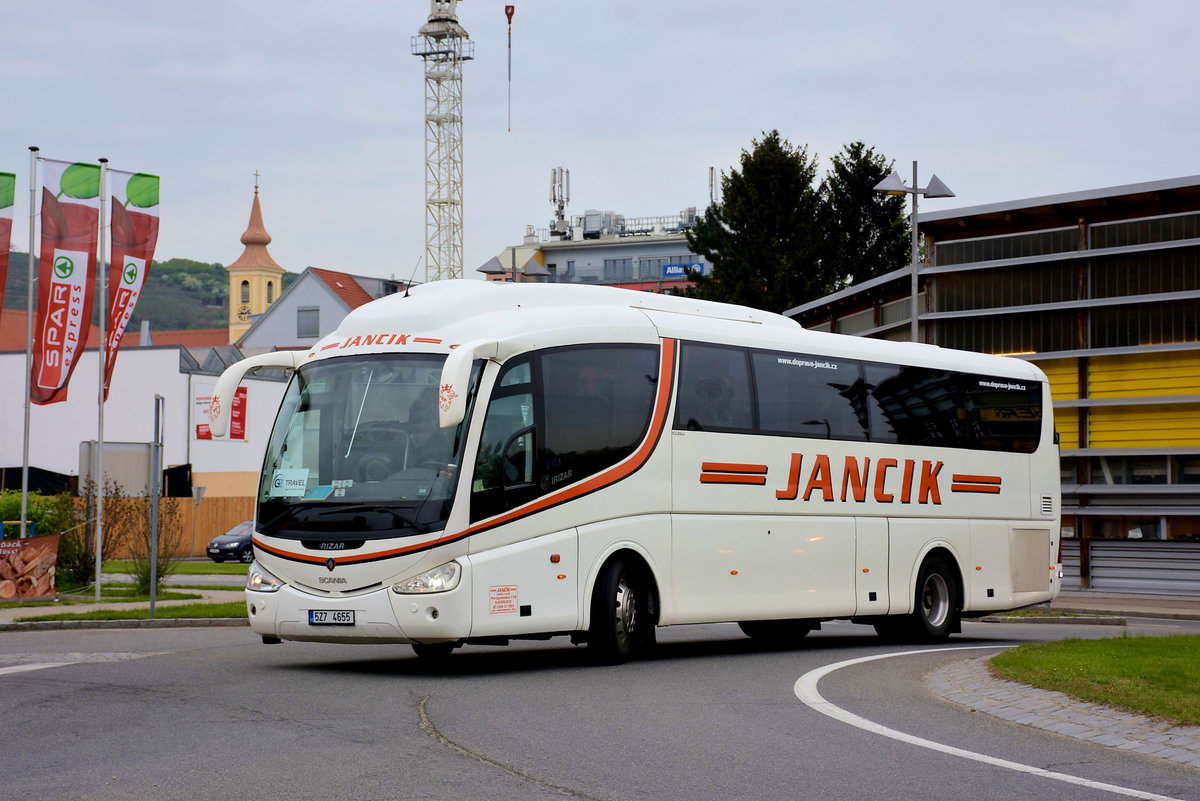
(214, 714)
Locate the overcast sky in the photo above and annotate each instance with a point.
(638, 98)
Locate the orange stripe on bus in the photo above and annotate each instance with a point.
(976, 479)
(720, 478)
(990, 489)
(728, 467)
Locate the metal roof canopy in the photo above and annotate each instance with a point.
(1049, 211)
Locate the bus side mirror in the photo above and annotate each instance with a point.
(456, 378)
(227, 384)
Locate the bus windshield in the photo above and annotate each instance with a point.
(357, 452)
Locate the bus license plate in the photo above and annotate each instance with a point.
(327, 617)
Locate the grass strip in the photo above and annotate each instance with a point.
(201, 610)
(184, 568)
(107, 598)
(1157, 676)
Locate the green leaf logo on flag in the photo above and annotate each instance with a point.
(8, 189)
(81, 181)
(131, 272)
(142, 190)
(63, 267)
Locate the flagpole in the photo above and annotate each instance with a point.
(101, 351)
(33, 157)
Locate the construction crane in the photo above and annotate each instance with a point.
(444, 46)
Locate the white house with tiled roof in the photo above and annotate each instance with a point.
(311, 307)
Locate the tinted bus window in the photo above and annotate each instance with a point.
(919, 405)
(559, 416)
(598, 402)
(714, 389)
(810, 396)
(923, 406)
(1004, 414)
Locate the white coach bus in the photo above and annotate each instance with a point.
(474, 463)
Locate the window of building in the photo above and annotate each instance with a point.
(1017, 246)
(270, 292)
(245, 292)
(308, 321)
(1140, 232)
(714, 389)
(618, 269)
(1186, 470)
(1129, 469)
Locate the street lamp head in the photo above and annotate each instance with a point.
(892, 185)
(936, 188)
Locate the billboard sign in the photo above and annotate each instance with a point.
(681, 270)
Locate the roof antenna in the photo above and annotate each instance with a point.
(413, 275)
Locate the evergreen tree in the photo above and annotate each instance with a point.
(763, 239)
(866, 232)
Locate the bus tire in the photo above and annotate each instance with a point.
(779, 633)
(936, 607)
(621, 624)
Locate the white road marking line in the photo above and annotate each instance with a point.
(33, 666)
(806, 691)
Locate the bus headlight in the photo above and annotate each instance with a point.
(259, 580)
(441, 579)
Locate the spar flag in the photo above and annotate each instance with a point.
(8, 190)
(134, 235)
(66, 274)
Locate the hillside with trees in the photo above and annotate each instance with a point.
(180, 293)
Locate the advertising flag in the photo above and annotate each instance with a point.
(134, 235)
(66, 274)
(8, 190)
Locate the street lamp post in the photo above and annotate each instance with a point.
(894, 185)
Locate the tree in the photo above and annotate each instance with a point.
(866, 232)
(763, 239)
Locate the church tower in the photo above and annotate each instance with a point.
(255, 278)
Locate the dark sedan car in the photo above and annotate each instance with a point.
(233, 544)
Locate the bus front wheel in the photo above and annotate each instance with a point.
(621, 622)
(936, 607)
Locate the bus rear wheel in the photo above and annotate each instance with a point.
(621, 621)
(936, 607)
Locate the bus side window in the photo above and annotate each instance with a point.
(559, 416)
(494, 466)
(714, 389)
(810, 396)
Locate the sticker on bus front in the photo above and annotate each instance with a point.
(290, 483)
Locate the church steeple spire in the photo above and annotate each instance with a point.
(256, 240)
(255, 278)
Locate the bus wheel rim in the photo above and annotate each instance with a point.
(935, 600)
(626, 609)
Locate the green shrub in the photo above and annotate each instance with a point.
(51, 514)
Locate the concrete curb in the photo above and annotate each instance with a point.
(1080, 619)
(1147, 614)
(971, 684)
(155, 623)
